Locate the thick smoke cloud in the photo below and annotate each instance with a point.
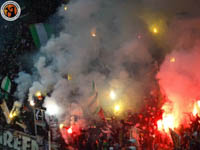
(114, 58)
(24, 82)
(180, 79)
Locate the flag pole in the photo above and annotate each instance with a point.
(49, 135)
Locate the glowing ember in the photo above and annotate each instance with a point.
(69, 131)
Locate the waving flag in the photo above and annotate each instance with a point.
(40, 33)
(93, 102)
(6, 84)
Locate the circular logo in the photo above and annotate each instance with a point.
(10, 10)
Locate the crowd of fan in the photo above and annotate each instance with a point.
(137, 131)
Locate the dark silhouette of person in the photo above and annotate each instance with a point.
(10, 12)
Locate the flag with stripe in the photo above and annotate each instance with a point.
(6, 84)
(40, 33)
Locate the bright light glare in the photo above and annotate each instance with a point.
(117, 108)
(166, 123)
(69, 130)
(198, 103)
(172, 60)
(65, 8)
(38, 94)
(32, 103)
(52, 108)
(155, 30)
(61, 125)
(11, 116)
(160, 125)
(93, 34)
(112, 95)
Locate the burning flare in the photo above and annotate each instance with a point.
(69, 131)
(196, 108)
(112, 95)
(168, 120)
(172, 59)
(93, 32)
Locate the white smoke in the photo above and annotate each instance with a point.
(114, 58)
(24, 82)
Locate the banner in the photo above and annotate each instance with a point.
(17, 141)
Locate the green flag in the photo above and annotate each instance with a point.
(6, 84)
(40, 33)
